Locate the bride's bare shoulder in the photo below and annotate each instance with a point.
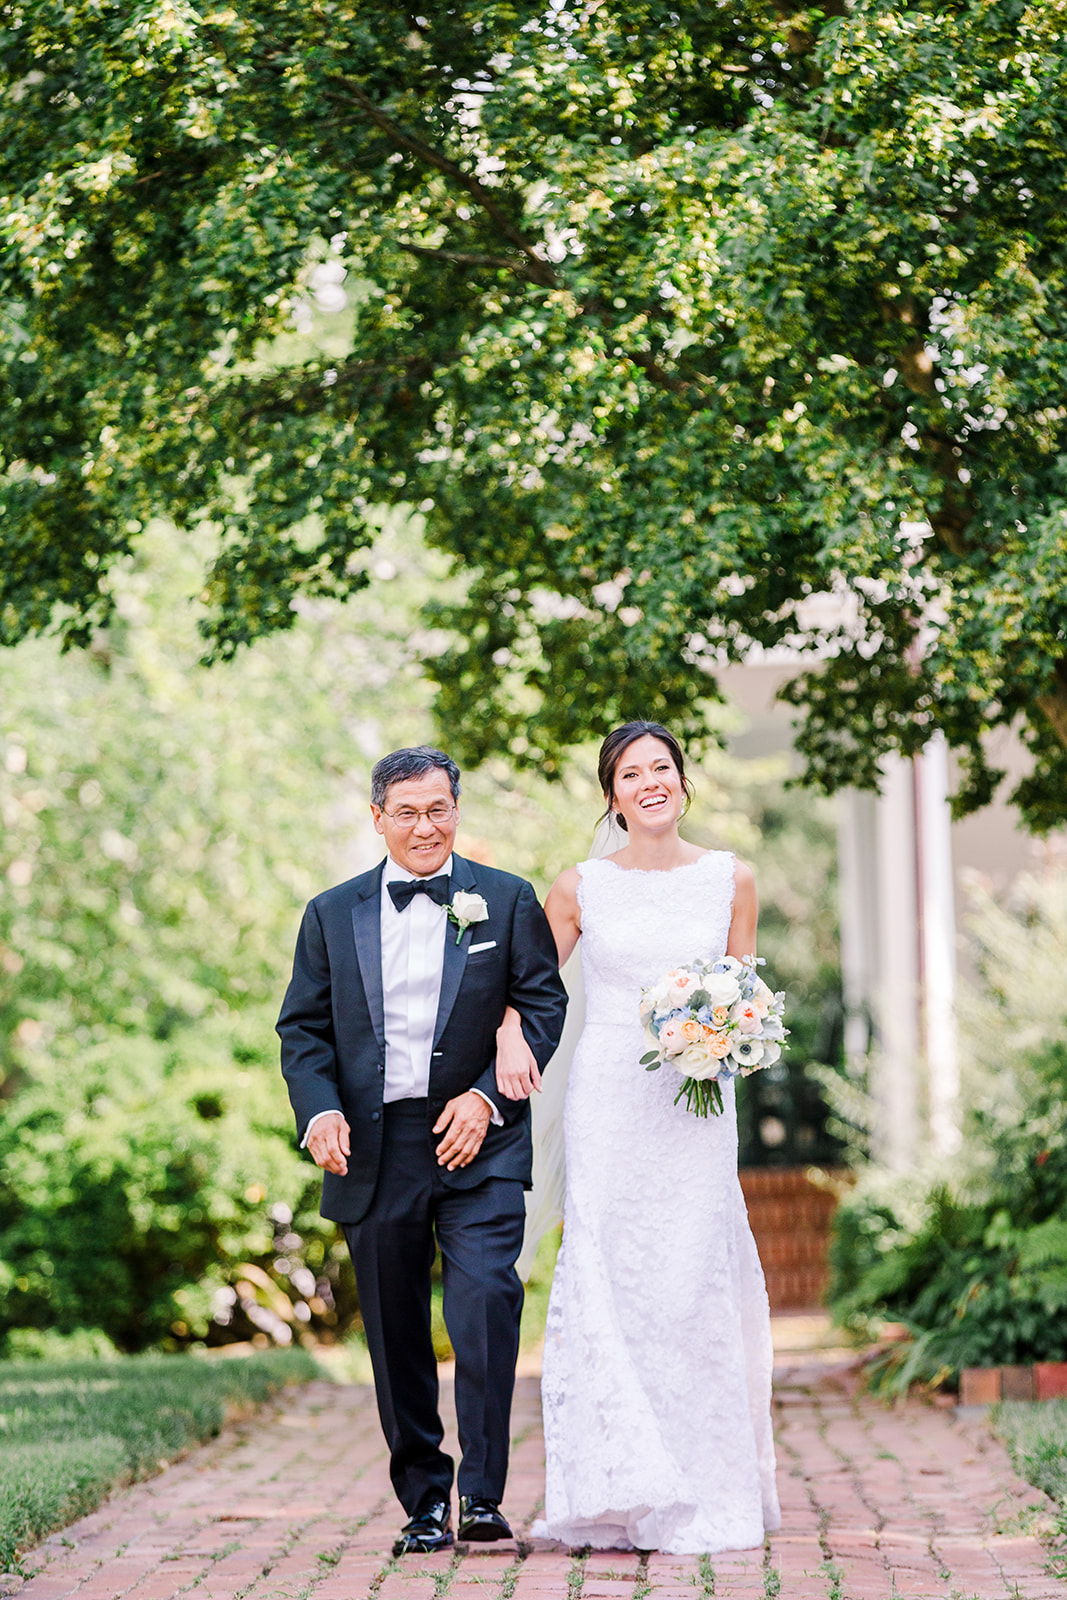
(744, 879)
(566, 885)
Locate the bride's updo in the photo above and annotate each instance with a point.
(615, 747)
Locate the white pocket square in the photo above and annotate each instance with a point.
(490, 944)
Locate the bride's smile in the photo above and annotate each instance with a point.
(648, 789)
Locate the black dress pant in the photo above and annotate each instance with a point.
(480, 1233)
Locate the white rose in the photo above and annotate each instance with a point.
(762, 997)
(721, 988)
(467, 908)
(654, 1000)
(696, 1061)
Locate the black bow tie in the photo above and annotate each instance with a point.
(402, 893)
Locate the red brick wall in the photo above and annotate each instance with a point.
(790, 1219)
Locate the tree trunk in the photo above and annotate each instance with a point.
(1054, 705)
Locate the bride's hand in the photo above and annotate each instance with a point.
(517, 1073)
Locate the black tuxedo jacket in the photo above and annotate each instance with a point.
(333, 1034)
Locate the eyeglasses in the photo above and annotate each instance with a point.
(407, 816)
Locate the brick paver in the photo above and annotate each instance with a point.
(877, 1503)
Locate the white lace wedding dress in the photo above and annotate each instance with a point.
(657, 1367)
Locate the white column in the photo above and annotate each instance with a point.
(857, 901)
(939, 947)
(895, 1059)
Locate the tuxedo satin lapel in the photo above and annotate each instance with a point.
(367, 930)
(455, 962)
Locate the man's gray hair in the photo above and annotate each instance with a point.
(400, 765)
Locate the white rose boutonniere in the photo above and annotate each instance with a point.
(465, 909)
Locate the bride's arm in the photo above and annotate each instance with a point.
(517, 1073)
(563, 913)
(742, 940)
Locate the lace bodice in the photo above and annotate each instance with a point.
(676, 916)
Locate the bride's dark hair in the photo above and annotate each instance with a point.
(615, 747)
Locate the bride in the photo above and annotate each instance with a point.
(657, 1363)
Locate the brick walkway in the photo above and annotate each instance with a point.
(296, 1505)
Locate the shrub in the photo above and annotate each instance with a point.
(125, 1209)
(973, 1262)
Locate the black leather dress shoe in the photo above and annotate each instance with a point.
(429, 1529)
(480, 1519)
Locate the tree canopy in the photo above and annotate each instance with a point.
(674, 319)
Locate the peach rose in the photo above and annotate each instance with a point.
(682, 985)
(692, 1031)
(746, 1016)
(720, 1015)
(672, 1036)
(719, 1045)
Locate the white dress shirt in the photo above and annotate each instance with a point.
(413, 957)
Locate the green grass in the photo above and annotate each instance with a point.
(70, 1432)
(1036, 1437)
(535, 1306)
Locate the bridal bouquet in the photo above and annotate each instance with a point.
(712, 1020)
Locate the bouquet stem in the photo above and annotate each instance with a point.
(703, 1097)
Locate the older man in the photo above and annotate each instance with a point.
(400, 981)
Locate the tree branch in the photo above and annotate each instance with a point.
(464, 258)
(540, 270)
(274, 395)
(953, 516)
(1054, 705)
(659, 375)
(916, 368)
(796, 24)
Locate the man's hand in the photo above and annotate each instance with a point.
(466, 1119)
(328, 1143)
(517, 1072)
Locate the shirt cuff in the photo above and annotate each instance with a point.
(311, 1124)
(496, 1119)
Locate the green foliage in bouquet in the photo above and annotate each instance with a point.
(974, 1265)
